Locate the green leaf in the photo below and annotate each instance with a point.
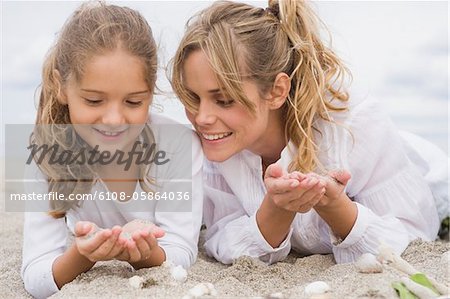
(402, 291)
(421, 279)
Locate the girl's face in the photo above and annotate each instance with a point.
(225, 127)
(109, 106)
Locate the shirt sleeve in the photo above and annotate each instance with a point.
(232, 232)
(395, 204)
(181, 218)
(44, 239)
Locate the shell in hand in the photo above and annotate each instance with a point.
(137, 225)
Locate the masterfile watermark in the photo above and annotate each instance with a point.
(54, 155)
(47, 164)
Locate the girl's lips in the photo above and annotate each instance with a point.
(112, 135)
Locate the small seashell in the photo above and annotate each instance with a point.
(200, 290)
(388, 256)
(277, 295)
(316, 288)
(136, 282)
(368, 263)
(178, 273)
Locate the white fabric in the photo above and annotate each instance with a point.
(45, 238)
(394, 201)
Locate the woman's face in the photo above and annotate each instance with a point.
(109, 106)
(225, 126)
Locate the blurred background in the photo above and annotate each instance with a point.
(397, 52)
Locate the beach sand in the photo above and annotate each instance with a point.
(246, 278)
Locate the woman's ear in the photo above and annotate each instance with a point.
(60, 95)
(280, 91)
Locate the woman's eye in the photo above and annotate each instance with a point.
(225, 103)
(92, 102)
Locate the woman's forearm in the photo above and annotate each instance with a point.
(273, 222)
(340, 216)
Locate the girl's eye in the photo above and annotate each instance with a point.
(225, 103)
(134, 103)
(92, 102)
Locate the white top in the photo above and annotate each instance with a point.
(394, 201)
(45, 238)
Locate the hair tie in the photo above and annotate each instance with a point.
(273, 11)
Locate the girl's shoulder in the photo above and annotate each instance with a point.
(165, 128)
(173, 135)
(161, 119)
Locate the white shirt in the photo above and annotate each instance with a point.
(45, 238)
(394, 201)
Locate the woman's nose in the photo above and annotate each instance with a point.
(205, 114)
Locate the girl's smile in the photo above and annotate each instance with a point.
(108, 136)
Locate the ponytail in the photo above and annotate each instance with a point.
(317, 76)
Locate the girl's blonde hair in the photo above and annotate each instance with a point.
(93, 29)
(246, 42)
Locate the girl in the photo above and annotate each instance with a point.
(98, 82)
(266, 97)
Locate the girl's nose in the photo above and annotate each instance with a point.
(113, 116)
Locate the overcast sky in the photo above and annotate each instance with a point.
(397, 51)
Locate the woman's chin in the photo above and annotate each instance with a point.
(215, 157)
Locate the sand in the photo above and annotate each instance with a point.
(246, 278)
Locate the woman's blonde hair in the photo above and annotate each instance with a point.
(246, 42)
(93, 29)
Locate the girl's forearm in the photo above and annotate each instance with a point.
(157, 257)
(273, 222)
(69, 265)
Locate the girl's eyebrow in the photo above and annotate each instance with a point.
(102, 92)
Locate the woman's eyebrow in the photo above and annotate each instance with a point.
(214, 90)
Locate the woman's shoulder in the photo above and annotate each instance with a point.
(355, 108)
